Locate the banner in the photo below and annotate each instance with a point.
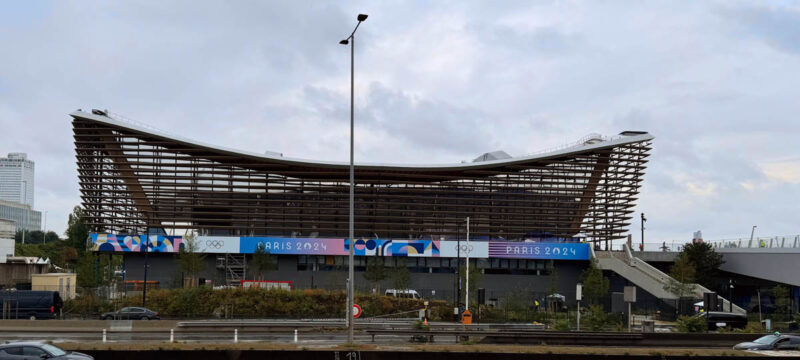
(538, 250)
(217, 244)
(133, 243)
(340, 247)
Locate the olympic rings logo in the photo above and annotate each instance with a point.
(215, 244)
(467, 249)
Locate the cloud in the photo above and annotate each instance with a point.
(441, 82)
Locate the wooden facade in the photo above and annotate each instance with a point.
(136, 180)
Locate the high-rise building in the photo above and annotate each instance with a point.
(23, 216)
(16, 179)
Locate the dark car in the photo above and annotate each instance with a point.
(131, 313)
(719, 319)
(37, 351)
(771, 342)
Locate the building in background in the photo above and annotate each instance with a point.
(16, 179)
(23, 216)
(64, 283)
(7, 229)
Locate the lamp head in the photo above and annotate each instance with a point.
(344, 42)
(362, 17)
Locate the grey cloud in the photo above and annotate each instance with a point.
(522, 77)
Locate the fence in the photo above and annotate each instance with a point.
(768, 242)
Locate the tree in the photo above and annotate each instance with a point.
(475, 278)
(682, 276)
(375, 272)
(595, 285)
(706, 262)
(263, 261)
(190, 261)
(77, 232)
(553, 289)
(401, 277)
(782, 301)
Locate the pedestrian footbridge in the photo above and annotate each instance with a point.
(775, 258)
(647, 277)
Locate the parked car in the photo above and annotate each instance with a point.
(719, 319)
(131, 313)
(408, 294)
(29, 304)
(38, 350)
(771, 342)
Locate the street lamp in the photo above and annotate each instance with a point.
(643, 221)
(350, 288)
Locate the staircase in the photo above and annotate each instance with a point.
(647, 277)
(234, 266)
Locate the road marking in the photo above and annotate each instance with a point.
(775, 352)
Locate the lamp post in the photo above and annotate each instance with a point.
(643, 221)
(44, 229)
(730, 295)
(350, 288)
(752, 232)
(466, 300)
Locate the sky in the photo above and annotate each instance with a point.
(716, 83)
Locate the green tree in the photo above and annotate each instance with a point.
(553, 288)
(77, 232)
(782, 301)
(475, 278)
(87, 271)
(190, 261)
(376, 272)
(263, 261)
(682, 275)
(401, 277)
(595, 285)
(706, 262)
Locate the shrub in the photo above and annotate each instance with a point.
(691, 324)
(419, 325)
(562, 325)
(254, 302)
(596, 318)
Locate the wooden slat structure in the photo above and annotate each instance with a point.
(134, 180)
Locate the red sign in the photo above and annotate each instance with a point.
(356, 311)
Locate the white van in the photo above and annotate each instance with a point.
(407, 294)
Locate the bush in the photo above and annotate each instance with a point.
(596, 318)
(562, 325)
(263, 303)
(420, 325)
(691, 324)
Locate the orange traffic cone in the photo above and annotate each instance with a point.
(426, 321)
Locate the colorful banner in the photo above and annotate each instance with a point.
(340, 247)
(292, 246)
(132, 243)
(538, 250)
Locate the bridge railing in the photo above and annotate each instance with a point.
(763, 242)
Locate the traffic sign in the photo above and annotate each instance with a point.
(356, 311)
